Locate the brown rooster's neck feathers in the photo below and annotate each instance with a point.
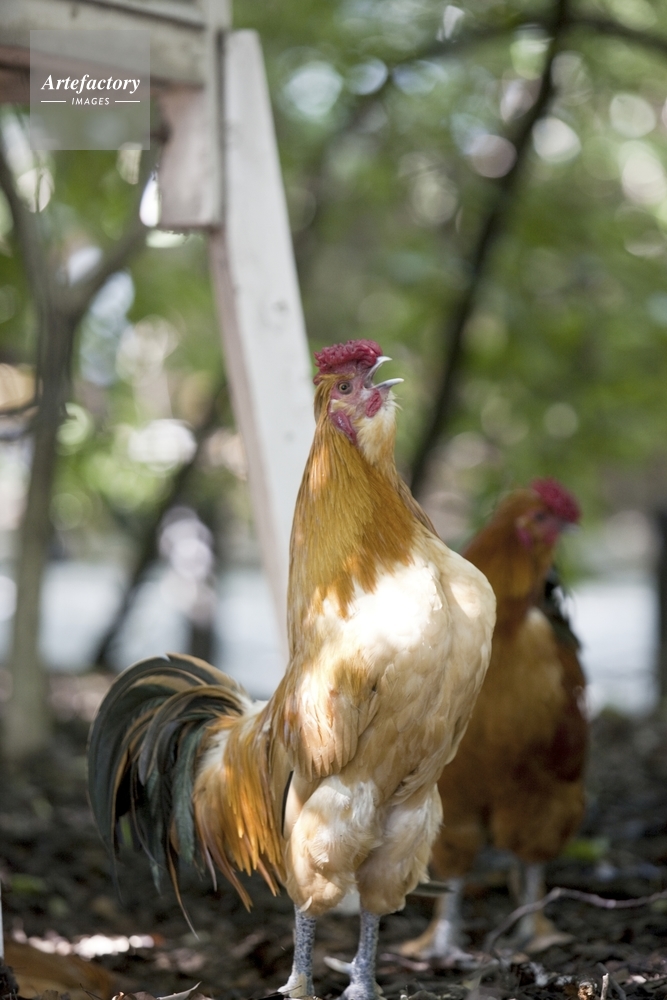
(516, 573)
(352, 517)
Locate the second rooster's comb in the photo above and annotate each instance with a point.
(339, 356)
(559, 500)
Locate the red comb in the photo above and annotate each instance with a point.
(332, 359)
(557, 498)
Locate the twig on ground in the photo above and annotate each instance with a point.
(603, 902)
(605, 986)
(620, 992)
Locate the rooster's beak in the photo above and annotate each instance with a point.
(368, 381)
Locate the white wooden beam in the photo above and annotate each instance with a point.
(257, 292)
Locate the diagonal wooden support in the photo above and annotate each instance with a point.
(257, 291)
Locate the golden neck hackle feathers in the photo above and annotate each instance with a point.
(515, 572)
(351, 520)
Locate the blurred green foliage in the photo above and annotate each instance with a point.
(391, 143)
(587, 849)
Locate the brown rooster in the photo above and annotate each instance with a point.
(516, 781)
(331, 785)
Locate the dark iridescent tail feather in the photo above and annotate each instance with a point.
(142, 754)
(553, 606)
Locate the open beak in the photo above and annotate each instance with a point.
(368, 381)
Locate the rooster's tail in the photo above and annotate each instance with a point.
(160, 721)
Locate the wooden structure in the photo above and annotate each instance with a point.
(219, 172)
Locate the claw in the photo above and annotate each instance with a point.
(298, 987)
(338, 965)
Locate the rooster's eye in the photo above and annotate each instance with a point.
(345, 387)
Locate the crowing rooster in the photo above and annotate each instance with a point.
(332, 784)
(517, 779)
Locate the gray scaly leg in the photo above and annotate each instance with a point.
(446, 940)
(300, 982)
(535, 932)
(362, 968)
(532, 889)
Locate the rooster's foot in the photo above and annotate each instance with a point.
(437, 948)
(361, 988)
(427, 949)
(419, 947)
(440, 944)
(300, 983)
(338, 965)
(362, 991)
(361, 969)
(456, 958)
(298, 986)
(536, 933)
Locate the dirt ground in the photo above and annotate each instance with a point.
(58, 892)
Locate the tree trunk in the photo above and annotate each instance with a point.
(27, 723)
(59, 310)
(661, 570)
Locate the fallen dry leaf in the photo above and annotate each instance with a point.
(37, 972)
